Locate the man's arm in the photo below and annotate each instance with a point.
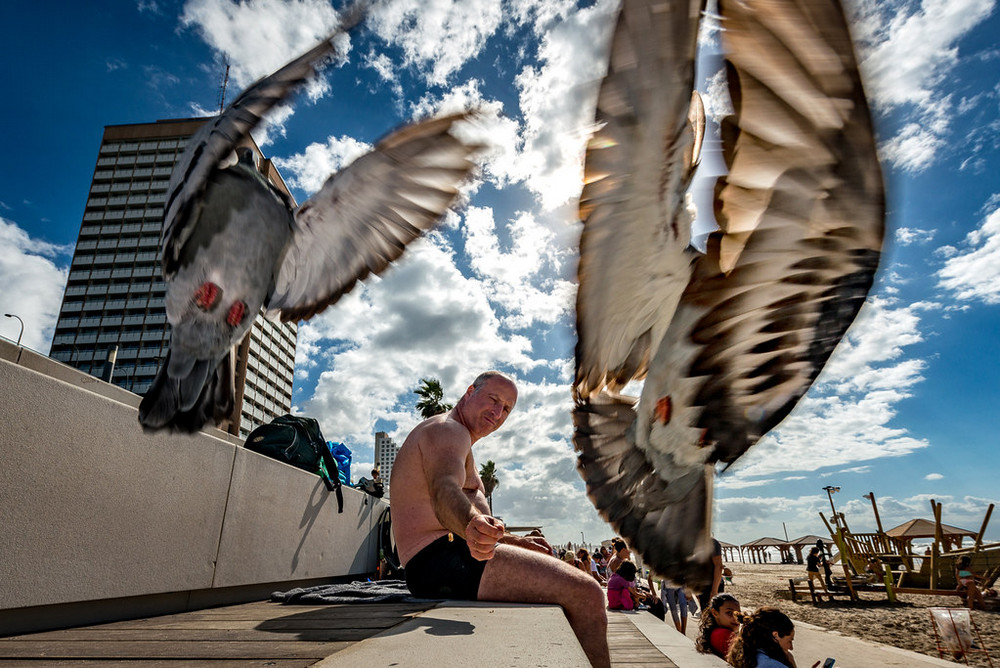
(445, 449)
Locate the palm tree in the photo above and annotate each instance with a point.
(431, 396)
(488, 474)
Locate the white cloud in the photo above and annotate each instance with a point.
(913, 235)
(260, 37)
(557, 102)
(973, 273)
(421, 319)
(933, 476)
(437, 36)
(523, 281)
(846, 416)
(718, 104)
(908, 52)
(33, 286)
(310, 169)
(741, 519)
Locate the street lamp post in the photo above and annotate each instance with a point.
(830, 491)
(11, 315)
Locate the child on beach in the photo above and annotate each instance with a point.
(718, 625)
(764, 641)
(622, 593)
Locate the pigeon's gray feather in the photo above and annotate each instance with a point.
(638, 165)
(365, 215)
(216, 139)
(232, 243)
(801, 212)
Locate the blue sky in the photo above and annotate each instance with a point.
(906, 408)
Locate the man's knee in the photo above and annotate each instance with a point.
(589, 593)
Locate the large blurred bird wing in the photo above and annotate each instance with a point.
(634, 257)
(216, 139)
(365, 215)
(802, 218)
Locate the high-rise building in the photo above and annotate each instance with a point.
(385, 455)
(114, 300)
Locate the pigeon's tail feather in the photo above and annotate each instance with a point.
(670, 531)
(186, 405)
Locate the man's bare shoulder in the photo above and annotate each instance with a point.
(440, 432)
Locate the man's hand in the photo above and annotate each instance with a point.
(534, 543)
(482, 534)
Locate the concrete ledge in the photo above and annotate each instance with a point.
(506, 634)
(94, 510)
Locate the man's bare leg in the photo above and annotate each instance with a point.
(519, 575)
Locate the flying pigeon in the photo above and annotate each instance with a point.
(233, 243)
(728, 340)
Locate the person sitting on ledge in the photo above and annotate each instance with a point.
(449, 543)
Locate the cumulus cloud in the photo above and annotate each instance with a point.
(522, 280)
(972, 273)
(557, 100)
(933, 476)
(741, 519)
(257, 38)
(33, 285)
(437, 37)
(908, 51)
(310, 169)
(846, 417)
(912, 235)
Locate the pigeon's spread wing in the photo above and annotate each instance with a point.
(218, 137)
(365, 215)
(634, 261)
(802, 218)
(802, 212)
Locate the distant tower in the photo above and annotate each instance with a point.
(115, 292)
(385, 455)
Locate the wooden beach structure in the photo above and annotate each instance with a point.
(891, 556)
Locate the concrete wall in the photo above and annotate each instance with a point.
(100, 520)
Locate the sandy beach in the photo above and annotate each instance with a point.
(905, 624)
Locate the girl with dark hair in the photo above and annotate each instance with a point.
(718, 625)
(622, 594)
(764, 640)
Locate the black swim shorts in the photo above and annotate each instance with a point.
(444, 569)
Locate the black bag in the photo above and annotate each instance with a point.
(298, 441)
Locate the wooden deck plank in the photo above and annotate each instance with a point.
(197, 650)
(156, 663)
(194, 635)
(630, 648)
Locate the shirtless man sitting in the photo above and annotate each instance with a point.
(450, 545)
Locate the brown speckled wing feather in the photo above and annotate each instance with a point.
(802, 218)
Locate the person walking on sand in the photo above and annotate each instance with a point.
(812, 567)
(449, 543)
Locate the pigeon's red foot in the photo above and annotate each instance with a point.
(207, 295)
(236, 313)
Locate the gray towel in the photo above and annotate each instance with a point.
(381, 591)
